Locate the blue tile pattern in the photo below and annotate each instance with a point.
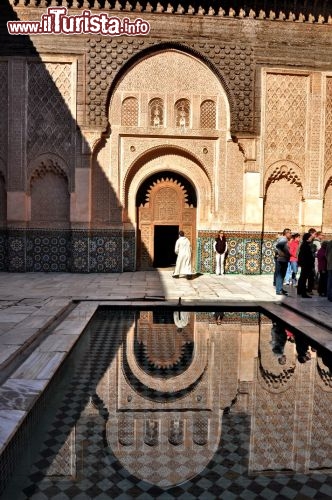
(47, 251)
(3, 250)
(16, 245)
(105, 252)
(129, 248)
(248, 253)
(80, 251)
(114, 250)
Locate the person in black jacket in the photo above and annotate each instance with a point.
(306, 261)
(220, 249)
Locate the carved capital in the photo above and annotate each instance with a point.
(90, 139)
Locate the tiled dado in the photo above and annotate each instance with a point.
(108, 251)
(248, 253)
(96, 251)
(81, 251)
(3, 250)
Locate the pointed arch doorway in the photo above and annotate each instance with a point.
(166, 203)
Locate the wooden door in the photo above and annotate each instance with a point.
(166, 204)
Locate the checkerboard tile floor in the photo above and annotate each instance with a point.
(99, 475)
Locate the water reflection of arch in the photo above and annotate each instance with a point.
(173, 439)
(178, 382)
(272, 376)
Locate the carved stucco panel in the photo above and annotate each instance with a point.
(51, 109)
(134, 147)
(230, 207)
(285, 117)
(178, 164)
(328, 125)
(4, 111)
(233, 62)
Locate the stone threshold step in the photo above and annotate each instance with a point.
(18, 342)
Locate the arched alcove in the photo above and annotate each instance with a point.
(283, 198)
(50, 197)
(327, 207)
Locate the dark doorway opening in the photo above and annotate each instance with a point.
(164, 242)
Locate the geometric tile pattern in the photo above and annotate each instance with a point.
(99, 251)
(247, 253)
(78, 463)
(268, 248)
(3, 250)
(16, 245)
(129, 247)
(79, 251)
(63, 250)
(105, 251)
(47, 251)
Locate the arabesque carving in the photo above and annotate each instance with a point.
(328, 125)
(45, 167)
(233, 63)
(285, 118)
(4, 108)
(284, 172)
(50, 123)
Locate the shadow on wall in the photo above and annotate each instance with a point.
(45, 170)
(63, 213)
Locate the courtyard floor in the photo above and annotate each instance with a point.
(33, 303)
(23, 295)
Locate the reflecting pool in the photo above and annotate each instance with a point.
(179, 404)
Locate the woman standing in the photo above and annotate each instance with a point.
(220, 249)
(294, 250)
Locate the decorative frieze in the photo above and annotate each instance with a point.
(288, 14)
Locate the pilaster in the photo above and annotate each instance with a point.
(17, 125)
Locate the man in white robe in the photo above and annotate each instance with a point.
(183, 261)
(181, 319)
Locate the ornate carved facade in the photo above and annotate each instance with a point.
(211, 101)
